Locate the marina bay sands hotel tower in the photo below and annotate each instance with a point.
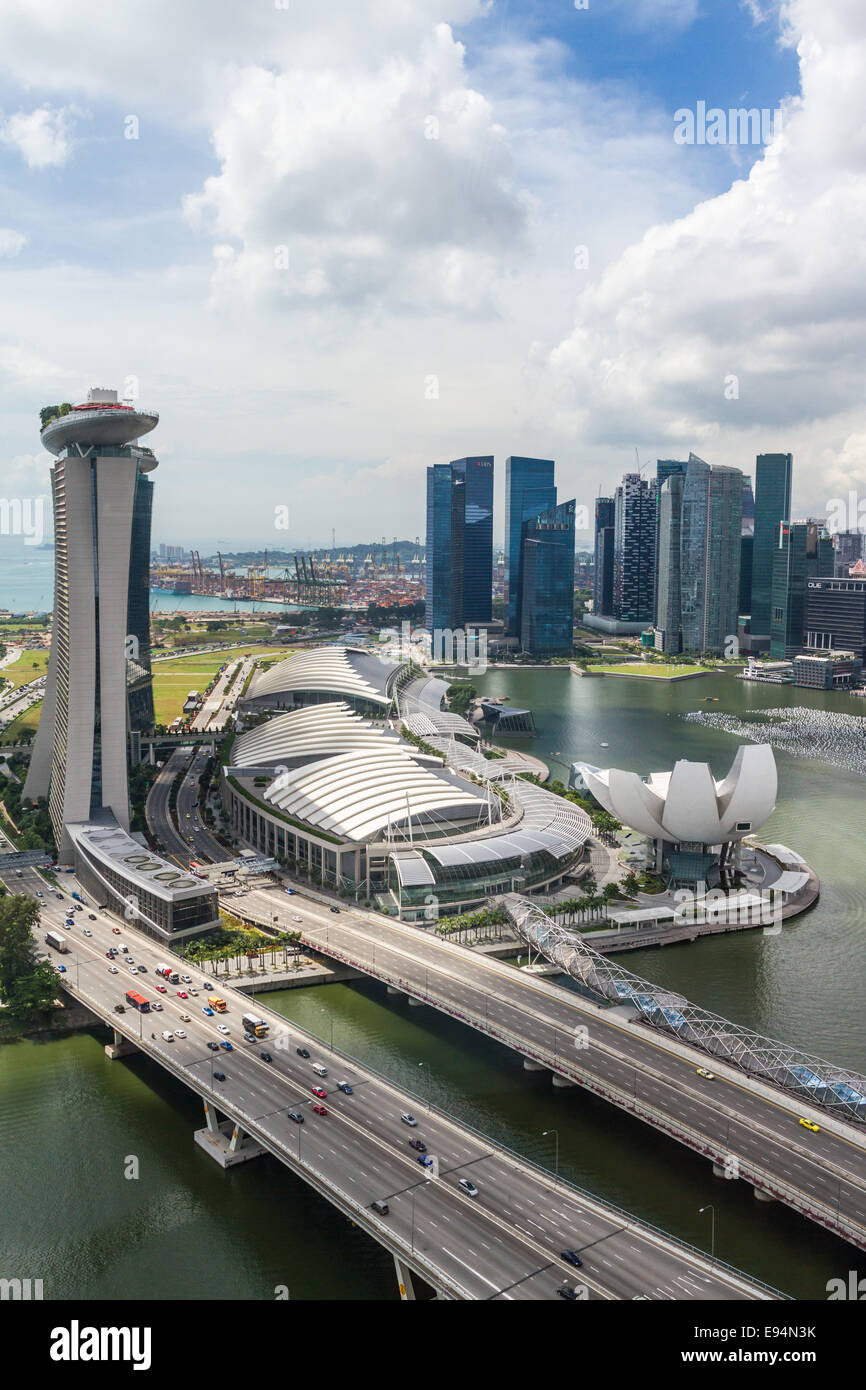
(98, 682)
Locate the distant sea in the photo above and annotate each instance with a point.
(27, 584)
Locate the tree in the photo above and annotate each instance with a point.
(18, 918)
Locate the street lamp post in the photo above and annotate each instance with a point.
(555, 1133)
(429, 1084)
(711, 1209)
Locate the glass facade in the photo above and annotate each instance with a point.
(139, 690)
(802, 552)
(772, 506)
(529, 490)
(602, 584)
(547, 587)
(668, 612)
(634, 550)
(459, 544)
(698, 590)
(835, 615)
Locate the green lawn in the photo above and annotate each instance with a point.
(28, 666)
(651, 670)
(28, 720)
(173, 679)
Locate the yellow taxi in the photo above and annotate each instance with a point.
(808, 1124)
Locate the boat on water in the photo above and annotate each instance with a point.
(604, 745)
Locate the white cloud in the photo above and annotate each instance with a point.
(11, 242)
(42, 137)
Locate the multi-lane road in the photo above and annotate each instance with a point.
(506, 1242)
(183, 835)
(750, 1131)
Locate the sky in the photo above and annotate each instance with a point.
(334, 244)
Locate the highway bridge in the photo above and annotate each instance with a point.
(746, 1128)
(504, 1242)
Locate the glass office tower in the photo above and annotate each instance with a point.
(700, 520)
(547, 574)
(602, 583)
(634, 550)
(669, 621)
(773, 474)
(459, 589)
(803, 551)
(529, 490)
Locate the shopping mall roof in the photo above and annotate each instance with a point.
(335, 670)
(315, 731)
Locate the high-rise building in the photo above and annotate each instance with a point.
(602, 579)
(634, 550)
(665, 468)
(459, 544)
(773, 474)
(700, 519)
(547, 582)
(803, 551)
(529, 490)
(849, 549)
(747, 547)
(834, 617)
(100, 646)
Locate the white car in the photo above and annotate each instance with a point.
(87, 932)
(113, 970)
(187, 979)
(184, 1018)
(222, 1028)
(168, 1037)
(156, 1005)
(179, 1033)
(296, 918)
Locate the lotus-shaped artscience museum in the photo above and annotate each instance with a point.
(688, 805)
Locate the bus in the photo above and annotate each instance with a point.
(138, 1001)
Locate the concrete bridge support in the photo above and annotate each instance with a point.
(560, 1081)
(762, 1196)
(225, 1141)
(529, 1065)
(404, 1281)
(120, 1047)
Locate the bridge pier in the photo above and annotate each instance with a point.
(562, 1080)
(392, 989)
(415, 1003)
(121, 1047)
(529, 1065)
(404, 1281)
(225, 1141)
(762, 1196)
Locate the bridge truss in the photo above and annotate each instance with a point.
(833, 1088)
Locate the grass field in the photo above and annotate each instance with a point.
(663, 670)
(174, 678)
(28, 720)
(28, 666)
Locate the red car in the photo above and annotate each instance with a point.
(116, 931)
(161, 989)
(317, 1091)
(319, 1110)
(182, 994)
(110, 956)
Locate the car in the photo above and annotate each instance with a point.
(119, 1009)
(142, 970)
(381, 1207)
(78, 907)
(291, 892)
(87, 932)
(296, 1116)
(168, 1036)
(425, 1160)
(62, 969)
(91, 916)
(129, 960)
(571, 1257)
(157, 1006)
(810, 1124)
(113, 970)
(214, 1046)
(296, 918)
(302, 1052)
(182, 994)
(116, 931)
(266, 1056)
(468, 1187)
(223, 1027)
(109, 955)
(185, 1018)
(566, 1291)
(335, 909)
(187, 815)
(59, 896)
(193, 993)
(419, 1145)
(206, 984)
(187, 979)
(39, 892)
(319, 1092)
(408, 1119)
(179, 1033)
(206, 1009)
(345, 1088)
(707, 1075)
(161, 989)
(132, 970)
(226, 1046)
(319, 1110)
(219, 1076)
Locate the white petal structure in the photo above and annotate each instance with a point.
(688, 805)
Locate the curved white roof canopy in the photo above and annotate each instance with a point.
(329, 670)
(687, 804)
(314, 731)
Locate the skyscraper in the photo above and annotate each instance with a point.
(747, 546)
(100, 645)
(529, 490)
(849, 549)
(547, 582)
(700, 517)
(602, 583)
(803, 551)
(665, 468)
(634, 550)
(772, 505)
(459, 544)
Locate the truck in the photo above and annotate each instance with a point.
(167, 973)
(57, 942)
(218, 1005)
(138, 1001)
(255, 1025)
